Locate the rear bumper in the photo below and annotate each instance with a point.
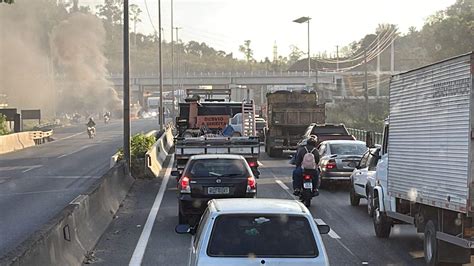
(336, 176)
(196, 206)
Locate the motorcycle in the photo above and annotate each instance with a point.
(307, 190)
(91, 132)
(106, 120)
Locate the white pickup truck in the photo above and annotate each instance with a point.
(425, 175)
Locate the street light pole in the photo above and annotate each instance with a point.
(309, 54)
(160, 65)
(126, 87)
(172, 62)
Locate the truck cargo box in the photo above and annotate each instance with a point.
(431, 132)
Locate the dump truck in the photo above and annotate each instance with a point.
(201, 126)
(425, 174)
(289, 114)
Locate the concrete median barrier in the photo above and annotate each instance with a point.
(16, 141)
(69, 236)
(156, 156)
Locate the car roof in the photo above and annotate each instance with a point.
(256, 205)
(216, 156)
(343, 141)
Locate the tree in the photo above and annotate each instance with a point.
(7, 1)
(295, 54)
(135, 12)
(246, 50)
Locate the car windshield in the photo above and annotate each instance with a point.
(262, 236)
(348, 148)
(217, 168)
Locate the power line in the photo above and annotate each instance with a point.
(149, 18)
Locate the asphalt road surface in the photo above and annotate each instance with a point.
(37, 182)
(352, 240)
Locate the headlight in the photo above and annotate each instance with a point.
(154, 114)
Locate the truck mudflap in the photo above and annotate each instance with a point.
(379, 197)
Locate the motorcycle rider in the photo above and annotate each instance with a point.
(106, 116)
(91, 124)
(298, 171)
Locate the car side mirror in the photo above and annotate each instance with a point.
(184, 229)
(324, 229)
(175, 173)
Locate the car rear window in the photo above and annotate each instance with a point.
(217, 168)
(329, 130)
(262, 236)
(348, 148)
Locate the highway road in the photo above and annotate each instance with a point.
(352, 240)
(37, 182)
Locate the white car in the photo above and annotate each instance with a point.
(363, 179)
(257, 232)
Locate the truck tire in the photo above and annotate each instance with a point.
(370, 202)
(355, 199)
(430, 244)
(382, 224)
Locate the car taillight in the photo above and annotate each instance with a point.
(331, 164)
(252, 164)
(184, 183)
(307, 177)
(251, 184)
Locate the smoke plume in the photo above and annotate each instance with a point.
(77, 48)
(53, 60)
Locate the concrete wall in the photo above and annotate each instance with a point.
(16, 141)
(70, 235)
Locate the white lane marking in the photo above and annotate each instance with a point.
(13, 168)
(331, 232)
(72, 136)
(140, 248)
(76, 151)
(285, 187)
(31, 168)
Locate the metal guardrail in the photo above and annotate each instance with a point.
(41, 137)
(360, 134)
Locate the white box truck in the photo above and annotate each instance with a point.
(425, 174)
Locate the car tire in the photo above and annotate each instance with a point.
(370, 202)
(354, 198)
(382, 224)
(430, 244)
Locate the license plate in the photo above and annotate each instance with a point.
(217, 190)
(308, 185)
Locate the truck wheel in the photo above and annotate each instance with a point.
(355, 199)
(382, 223)
(370, 202)
(430, 244)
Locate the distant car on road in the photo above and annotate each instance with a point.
(339, 158)
(210, 176)
(363, 179)
(257, 232)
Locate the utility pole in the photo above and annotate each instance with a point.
(337, 58)
(160, 64)
(177, 59)
(392, 56)
(126, 87)
(172, 62)
(309, 54)
(366, 87)
(378, 67)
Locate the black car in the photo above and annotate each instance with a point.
(207, 177)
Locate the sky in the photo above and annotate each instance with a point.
(225, 24)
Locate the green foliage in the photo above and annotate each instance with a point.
(352, 114)
(7, 1)
(3, 125)
(139, 146)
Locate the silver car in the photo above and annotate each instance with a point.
(338, 159)
(257, 232)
